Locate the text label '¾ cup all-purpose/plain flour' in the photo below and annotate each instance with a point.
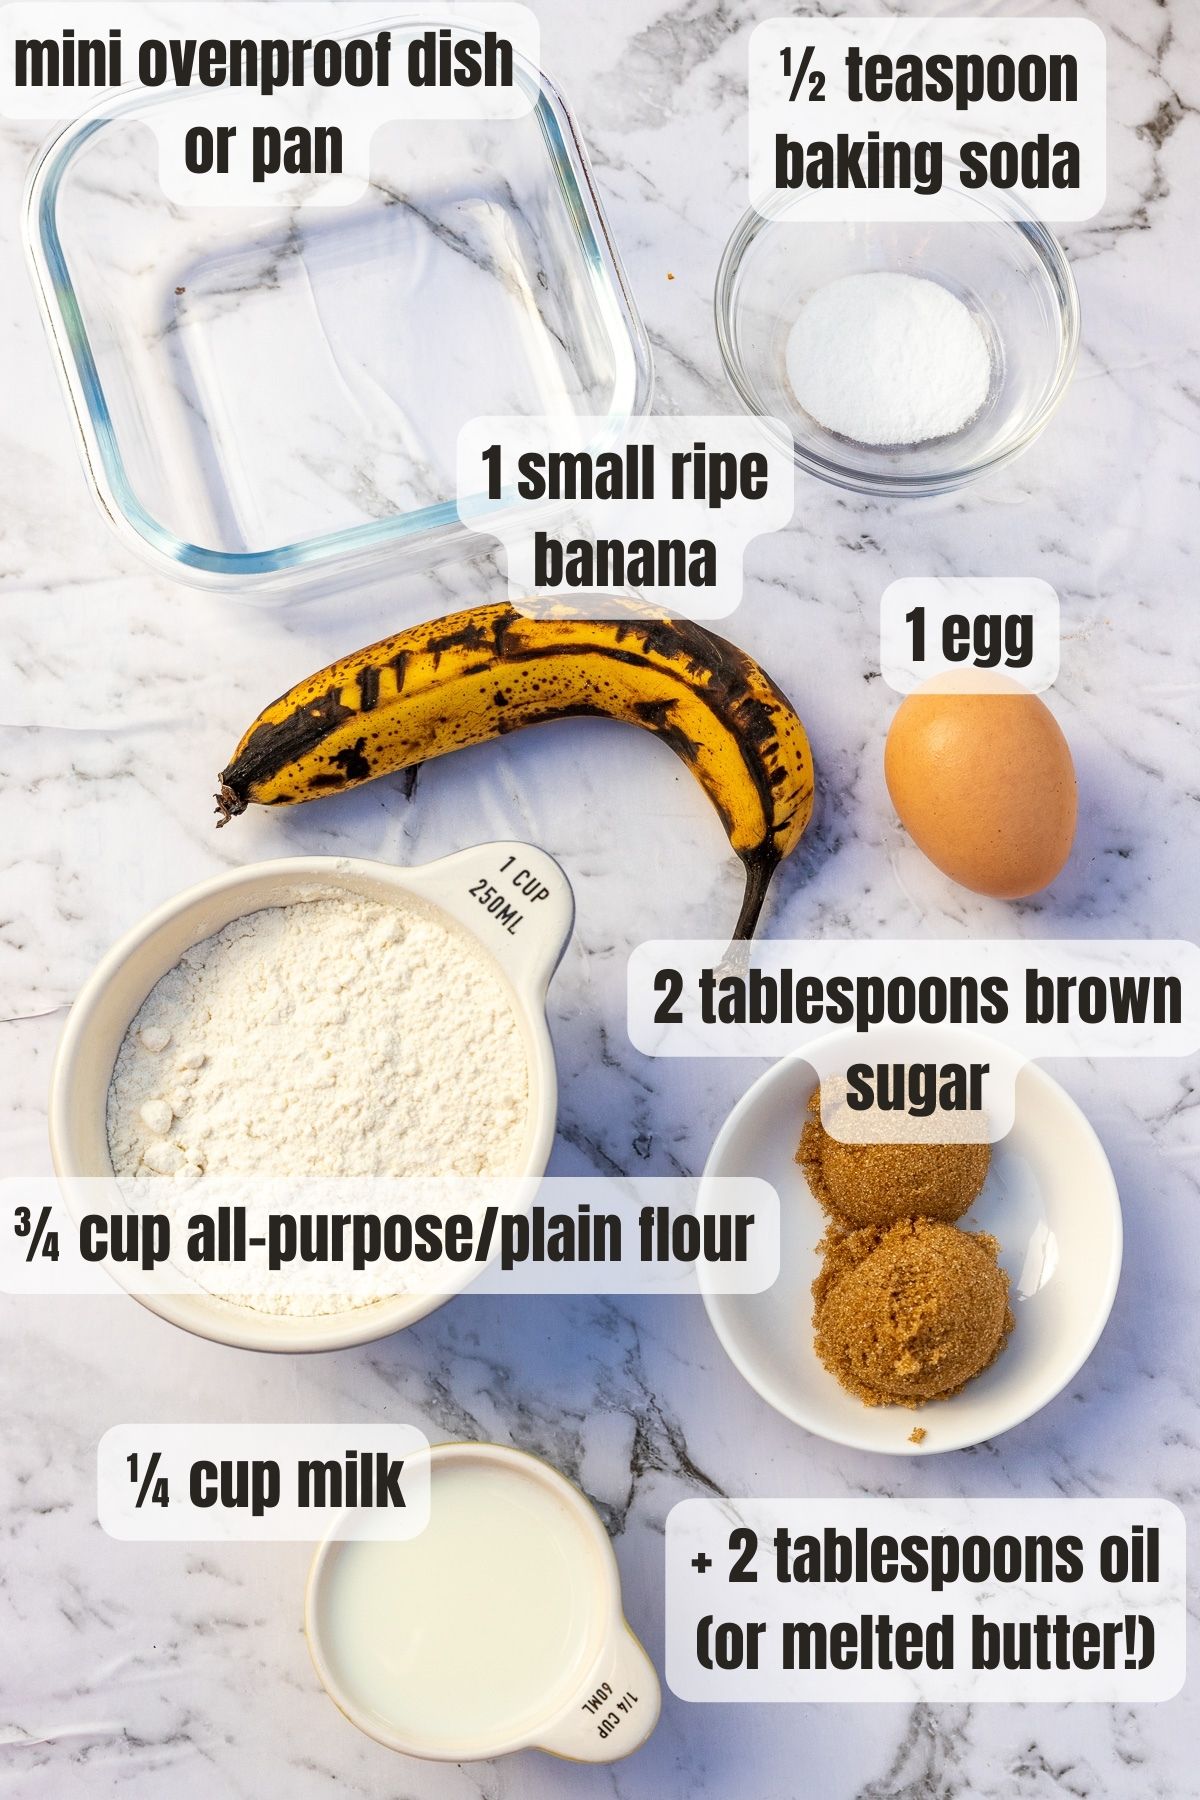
(330, 1037)
(885, 358)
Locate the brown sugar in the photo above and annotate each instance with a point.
(877, 1184)
(917, 1435)
(909, 1312)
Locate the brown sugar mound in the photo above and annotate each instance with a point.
(909, 1312)
(877, 1184)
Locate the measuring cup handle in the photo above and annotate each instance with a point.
(515, 899)
(617, 1712)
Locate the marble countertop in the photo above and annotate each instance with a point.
(138, 1671)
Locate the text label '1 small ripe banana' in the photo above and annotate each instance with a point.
(481, 673)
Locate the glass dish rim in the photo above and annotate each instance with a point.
(1048, 252)
(97, 436)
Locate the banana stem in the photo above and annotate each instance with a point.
(760, 866)
(229, 805)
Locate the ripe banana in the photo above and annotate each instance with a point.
(489, 670)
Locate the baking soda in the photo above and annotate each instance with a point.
(887, 359)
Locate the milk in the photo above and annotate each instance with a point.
(477, 1629)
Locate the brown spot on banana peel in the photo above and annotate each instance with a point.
(353, 762)
(655, 715)
(474, 636)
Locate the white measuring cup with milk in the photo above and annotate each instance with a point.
(498, 1628)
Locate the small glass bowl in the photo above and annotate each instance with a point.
(1004, 265)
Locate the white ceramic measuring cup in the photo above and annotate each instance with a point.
(498, 1628)
(512, 899)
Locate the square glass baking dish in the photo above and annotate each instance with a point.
(268, 399)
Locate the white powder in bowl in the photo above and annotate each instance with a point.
(330, 1037)
(888, 359)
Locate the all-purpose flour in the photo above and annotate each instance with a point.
(331, 1037)
(885, 358)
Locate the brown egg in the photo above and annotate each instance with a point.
(985, 785)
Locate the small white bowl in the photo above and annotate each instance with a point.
(110, 999)
(1049, 1198)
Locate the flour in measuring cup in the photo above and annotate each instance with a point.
(330, 1037)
